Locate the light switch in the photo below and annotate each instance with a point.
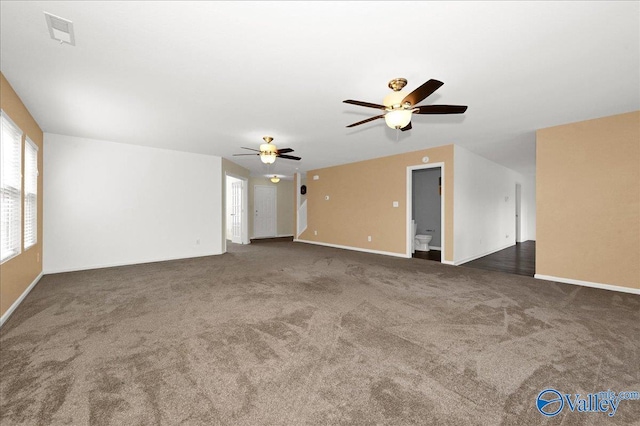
(316, 177)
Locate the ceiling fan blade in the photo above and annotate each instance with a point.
(422, 92)
(407, 127)
(441, 109)
(236, 155)
(365, 121)
(284, 150)
(289, 157)
(250, 149)
(364, 104)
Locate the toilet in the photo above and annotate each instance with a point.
(420, 242)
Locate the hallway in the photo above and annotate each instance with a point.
(519, 259)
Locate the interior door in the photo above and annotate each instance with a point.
(264, 206)
(236, 212)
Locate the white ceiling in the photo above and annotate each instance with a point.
(210, 77)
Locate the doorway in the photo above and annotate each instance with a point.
(265, 214)
(236, 223)
(518, 213)
(426, 206)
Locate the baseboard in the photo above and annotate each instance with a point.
(114, 265)
(469, 259)
(589, 284)
(386, 253)
(19, 300)
(448, 262)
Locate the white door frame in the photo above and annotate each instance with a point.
(410, 170)
(244, 211)
(518, 213)
(275, 210)
(236, 207)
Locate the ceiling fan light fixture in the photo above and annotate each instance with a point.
(268, 158)
(398, 118)
(399, 106)
(268, 151)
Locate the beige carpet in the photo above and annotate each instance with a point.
(293, 334)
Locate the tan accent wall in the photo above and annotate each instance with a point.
(18, 273)
(284, 204)
(231, 168)
(588, 201)
(361, 199)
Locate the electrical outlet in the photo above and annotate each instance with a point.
(315, 232)
(198, 242)
(369, 238)
(395, 204)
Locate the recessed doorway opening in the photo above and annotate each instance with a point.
(425, 211)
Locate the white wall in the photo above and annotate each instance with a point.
(484, 206)
(108, 204)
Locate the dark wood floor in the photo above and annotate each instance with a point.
(428, 255)
(519, 259)
(271, 240)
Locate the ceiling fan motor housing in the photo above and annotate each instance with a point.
(398, 114)
(394, 100)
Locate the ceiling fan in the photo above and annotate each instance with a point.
(399, 105)
(268, 152)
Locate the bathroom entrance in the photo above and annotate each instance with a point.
(427, 212)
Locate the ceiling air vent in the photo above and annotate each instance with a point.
(60, 29)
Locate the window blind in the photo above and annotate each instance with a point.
(30, 193)
(10, 188)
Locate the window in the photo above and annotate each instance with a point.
(30, 193)
(10, 188)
